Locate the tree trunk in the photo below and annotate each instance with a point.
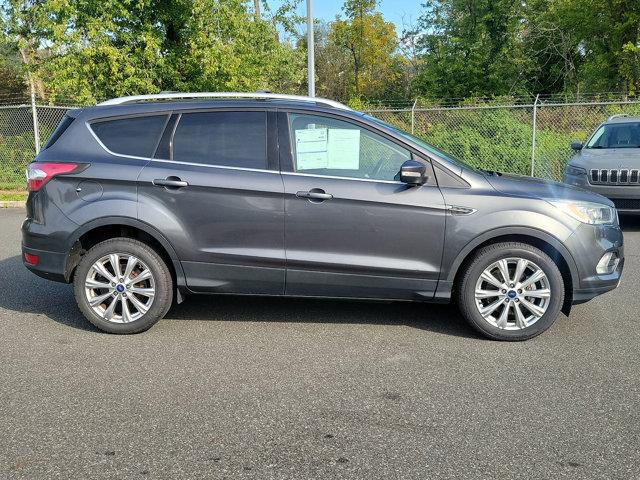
(256, 9)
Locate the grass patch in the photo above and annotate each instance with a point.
(13, 196)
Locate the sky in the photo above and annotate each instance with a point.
(392, 10)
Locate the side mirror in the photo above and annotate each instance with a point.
(576, 146)
(413, 173)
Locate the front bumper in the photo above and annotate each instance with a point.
(588, 244)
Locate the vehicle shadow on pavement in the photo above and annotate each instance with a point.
(24, 292)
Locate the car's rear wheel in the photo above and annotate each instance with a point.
(123, 286)
(511, 291)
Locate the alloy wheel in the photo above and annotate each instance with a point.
(512, 293)
(120, 288)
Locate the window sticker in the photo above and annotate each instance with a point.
(334, 149)
(311, 148)
(343, 149)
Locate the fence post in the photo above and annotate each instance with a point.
(533, 139)
(34, 113)
(413, 116)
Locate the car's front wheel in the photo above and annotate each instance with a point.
(511, 291)
(123, 286)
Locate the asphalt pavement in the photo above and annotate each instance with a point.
(290, 389)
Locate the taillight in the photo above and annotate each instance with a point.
(39, 173)
(31, 259)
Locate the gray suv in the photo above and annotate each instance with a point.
(609, 163)
(140, 201)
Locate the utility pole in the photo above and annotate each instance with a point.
(311, 79)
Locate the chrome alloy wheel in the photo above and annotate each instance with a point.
(512, 293)
(120, 288)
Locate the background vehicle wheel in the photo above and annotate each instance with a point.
(511, 291)
(123, 286)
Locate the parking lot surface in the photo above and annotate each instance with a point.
(272, 388)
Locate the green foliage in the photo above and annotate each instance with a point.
(471, 48)
(364, 46)
(495, 47)
(104, 48)
(501, 138)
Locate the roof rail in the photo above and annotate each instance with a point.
(617, 115)
(255, 95)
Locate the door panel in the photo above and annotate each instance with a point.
(370, 240)
(351, 229)
(224, 216)
(227, 225)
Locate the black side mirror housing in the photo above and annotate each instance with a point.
(413, 172)
(577, 146)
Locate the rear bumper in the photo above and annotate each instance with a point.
(51, 265)
(48, 241)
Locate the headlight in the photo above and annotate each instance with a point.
(587, 212)
(575, 171)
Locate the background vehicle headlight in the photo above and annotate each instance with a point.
(575, 171)
(587, 212)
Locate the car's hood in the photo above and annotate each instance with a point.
(607, 158)
(532, 187)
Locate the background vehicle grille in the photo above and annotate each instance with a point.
(626, 203)
(615, 177)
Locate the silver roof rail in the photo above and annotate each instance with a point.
(204, 95)
(617, 115)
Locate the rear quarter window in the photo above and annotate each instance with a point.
(60, 129)
(135, 136)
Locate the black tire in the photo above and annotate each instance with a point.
(162, 282)
(484, 258)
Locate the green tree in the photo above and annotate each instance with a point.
(471, 48)
(371, 43)
(91, 49)
(596, 42)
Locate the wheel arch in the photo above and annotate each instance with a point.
(101, 229)
(530, 236)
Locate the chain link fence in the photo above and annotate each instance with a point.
(528, 139)
(23, 122)
(525, 138)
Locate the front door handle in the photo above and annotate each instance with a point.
(315, 194)
(170, 182)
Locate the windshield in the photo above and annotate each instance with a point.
(422, 143)
(616, 135)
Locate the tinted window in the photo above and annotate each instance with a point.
(137, 136)
(234, 139)
(326, 146)
(57, 133)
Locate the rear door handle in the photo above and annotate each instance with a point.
(315, 194)
(171, 182)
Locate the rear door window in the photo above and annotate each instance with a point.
(233, 139)
(135, 136)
